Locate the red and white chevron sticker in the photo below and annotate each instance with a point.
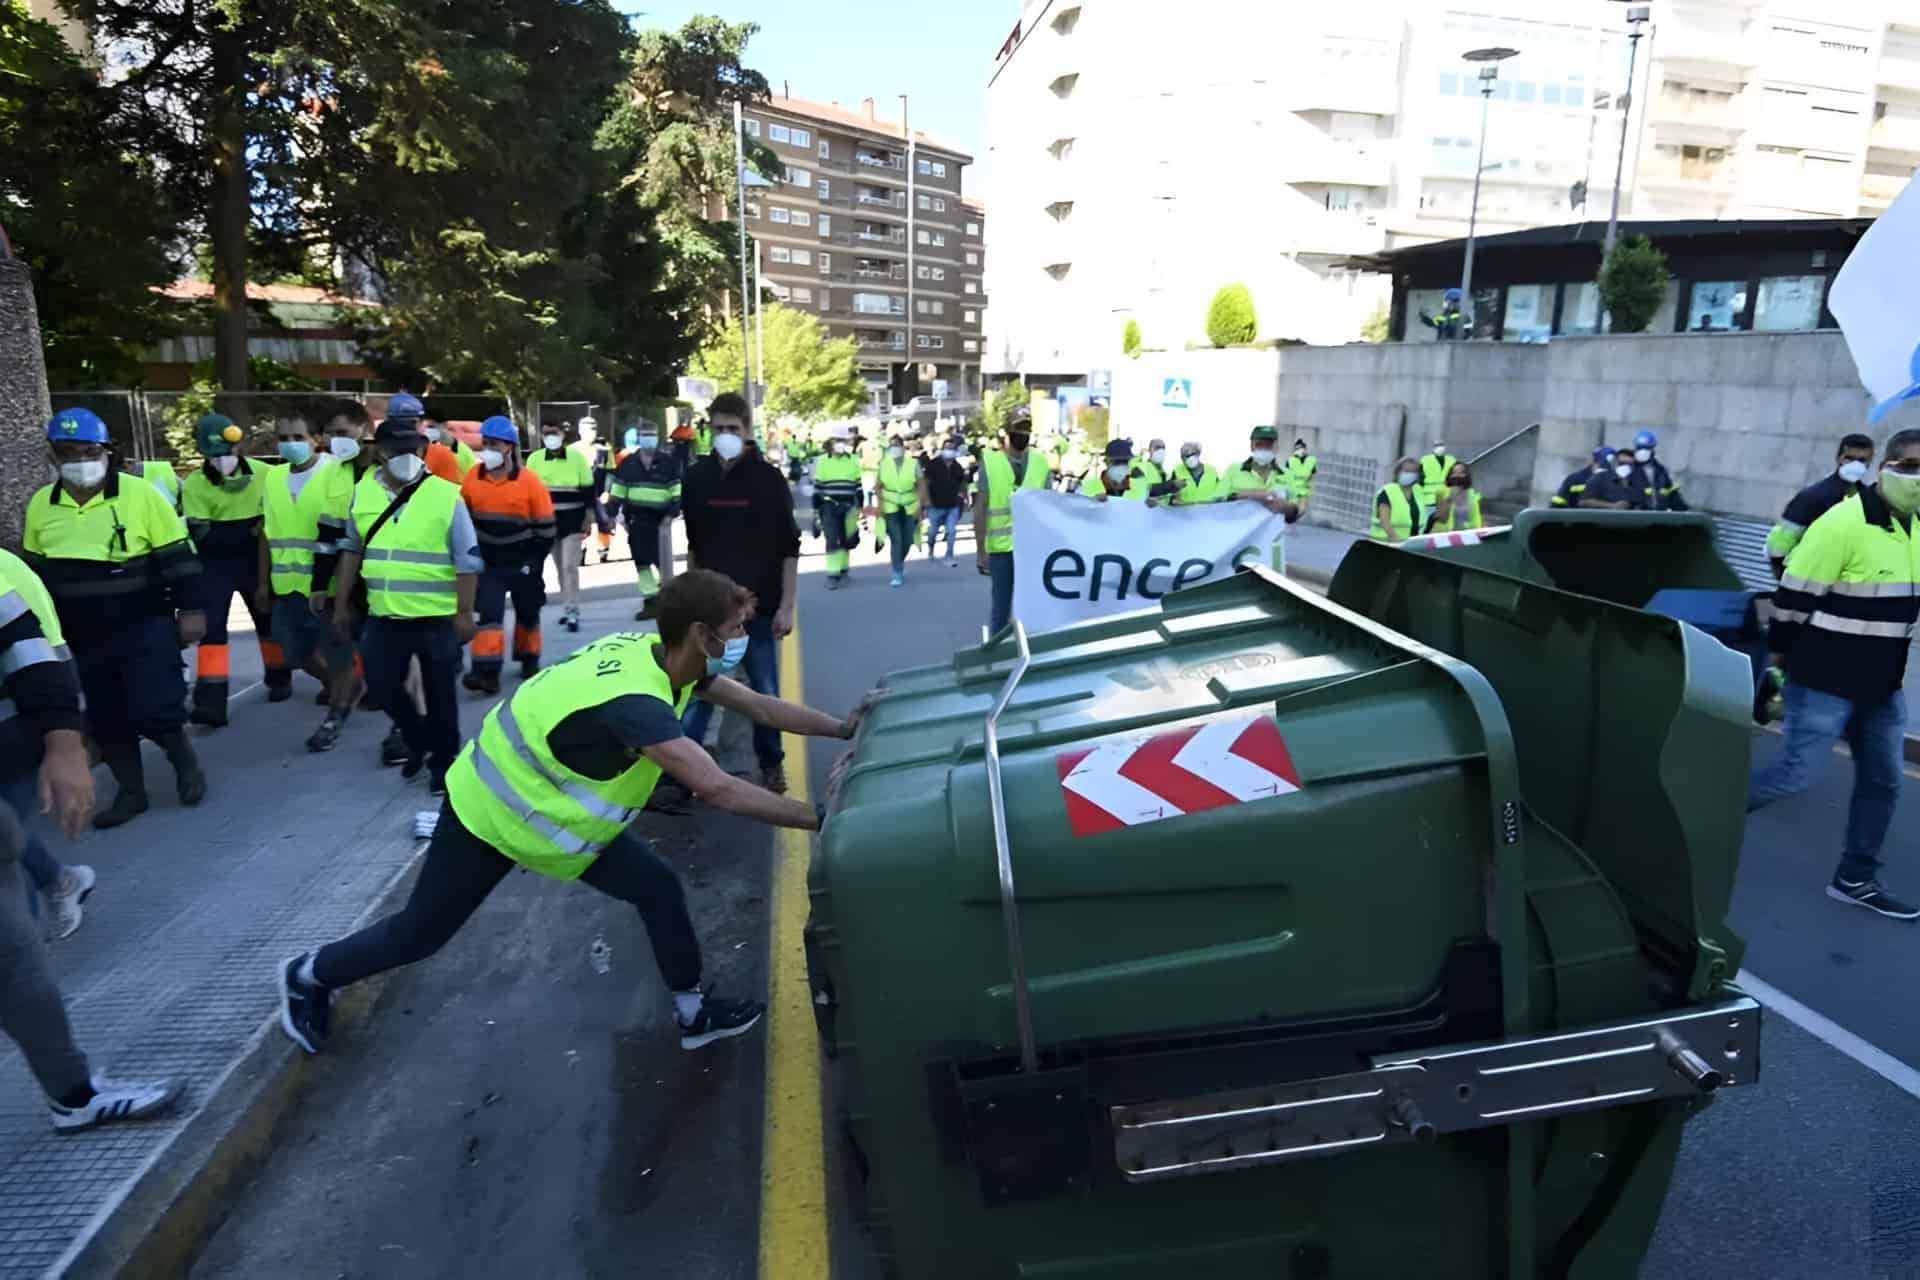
(1127, 782)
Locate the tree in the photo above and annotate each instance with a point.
(1000, 402)
(808, 376)
(1376, 327)
(1130, 337)
(1633, 283)
(83, 210)
(1230, 318)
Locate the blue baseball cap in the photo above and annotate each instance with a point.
(1646, 440)
(402, 405)
(499, 428)
(82, 426)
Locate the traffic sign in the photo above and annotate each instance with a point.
(939, 388)
(1176, 393)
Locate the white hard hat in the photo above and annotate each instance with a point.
(840, 431)
(586, 420)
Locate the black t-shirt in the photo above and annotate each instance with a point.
(740, 523)
(946, 483)
(601, 742)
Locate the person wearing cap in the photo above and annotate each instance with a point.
(1301, 466)
(1653, 484)
(1435, 467)
(600, 458)
(224, 502)
(646, 489)
(447, 455)
(1002, 471)
(1121, 477)
(1259, 477)
(410, 543)
(1398, 513)
(121, 570)
(569, 480)
(1574, 487)
(513, 519)
(836, 501)
(946, 494)
(1196, 482)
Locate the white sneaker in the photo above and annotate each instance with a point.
(114, 1100)
(64, 899)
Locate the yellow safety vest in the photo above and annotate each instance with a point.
(408, 568)
(509, 788)
(1096, 485)
(1300, 473)
(1000, 487)
(1405, 515)
(223, 516)
(1192, 492)
(899, 486)
(1242, 478)
(293, 531)
(163, 477)
(1433, 478)
(1443, 515)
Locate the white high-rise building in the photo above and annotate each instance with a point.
(1145, 154)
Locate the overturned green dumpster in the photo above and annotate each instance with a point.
(1260, 935)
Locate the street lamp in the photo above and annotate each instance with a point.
(1637, 20)
(1489, 60)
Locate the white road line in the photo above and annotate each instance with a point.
(1877, 1060)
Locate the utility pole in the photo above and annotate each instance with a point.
(740, 214)
(907, 129)
(1488, 60)
(1637, 19)
(759, 324)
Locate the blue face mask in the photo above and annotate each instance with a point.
(296, 451)
(736, 650)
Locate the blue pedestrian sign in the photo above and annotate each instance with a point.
(1176, 393)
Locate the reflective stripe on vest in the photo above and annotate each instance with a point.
(899, 486)
(510, 790)
(1000, 487)
(409, 570)
(293, 534)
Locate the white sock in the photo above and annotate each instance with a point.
(687, 1005)
(305, 972)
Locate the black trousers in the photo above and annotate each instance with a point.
(461, 869)
(133, 682)
(384, 650)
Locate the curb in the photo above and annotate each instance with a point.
(173, 1208)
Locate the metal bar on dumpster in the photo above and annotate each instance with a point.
(1003, 853)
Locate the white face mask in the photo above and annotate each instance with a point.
(1643, 455)
(896, 452)
(493, 459)
(1191, 459)
(1263, 457)
(648, 443)
(1407, 477)
(1117, 472)
(728, 445)
(948, 455)
(1853, 472)
(1623, 471)
(552, 442)
(432, 434)
(345, 448)
(586, 435)
(1901, 492)
(226, 464)
(85, 475)
(1158, 457)
(406, 468)
(837, 448)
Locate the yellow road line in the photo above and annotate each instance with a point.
(793, 1173)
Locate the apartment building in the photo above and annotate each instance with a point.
(1141, 162)
(868, 230)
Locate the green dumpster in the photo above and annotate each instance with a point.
(1260, 935)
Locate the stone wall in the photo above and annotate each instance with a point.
(23, 399)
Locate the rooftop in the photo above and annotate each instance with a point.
(862, 119)
(202, 290)
(1569, 235)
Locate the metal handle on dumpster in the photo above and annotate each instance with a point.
(1003, 853)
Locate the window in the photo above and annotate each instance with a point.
(939, 206)
(939, 307)
(826, 226)
(1789, 302)
(1550, 95)
(802, 294)
(1579, 308)
(939, 171)
(873, 304)
(939, 239)
(799, 177)
(970, 345)
(971, 287)
(777, 214)
(920, 305)
(803, 137)
(781, 253)
(803, 257)
(1528, 316)
(973, 259)
(935, 342)
(778, 133)
(1060, 210)
(922, 341)
(826, 152)
(970, 317)
(973, 228)
(1717, 305)
(801, 218)
(826, 299)
(926, 201)
(1449, 85)
(923, 271)
(1063, 85)
(939, 273)
(1523, 91)
(1060, 148)
(925, 236)
(826, 263)
(925, 167)
(753, 208)
(753, 128)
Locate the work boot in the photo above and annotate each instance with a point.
(213, 715)
(189, 777)
(123, 760)
(393, 748)
(647, 609)
(279, 692)
(529, 667)
(488, 683)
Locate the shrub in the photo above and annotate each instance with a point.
(1633, 282)
(1130, 338)
(1375, 328)
(1230, 317)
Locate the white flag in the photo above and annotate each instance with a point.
(1876, 299)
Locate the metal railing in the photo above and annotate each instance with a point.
(1501, 443)
(1003, 856)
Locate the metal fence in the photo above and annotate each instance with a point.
(1343, 490)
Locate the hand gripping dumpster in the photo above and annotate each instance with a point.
(1265, 935)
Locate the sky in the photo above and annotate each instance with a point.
(939, 54)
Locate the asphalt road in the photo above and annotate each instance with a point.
(510, 1112)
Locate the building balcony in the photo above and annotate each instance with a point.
(1900, 70)
(1336, 164)
(1681, 174)
(1878, 190)
(1896, 133)
(881, 341)
(1369, 94)
(894, 236)
(1694, 117)
(1697, 48)
(879, 162)
(1343, 234)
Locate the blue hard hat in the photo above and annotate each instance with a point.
(632, 437)
(402, 405)
(499, 428)
(1453, 295)
(83, 426)
(1646, 440)
(1603, 455)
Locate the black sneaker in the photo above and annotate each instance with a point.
(720, 1020)
(323, 698)
(326, 736)
(279, 692)
(437, 782)
(529, 668)
(1869, 894)
(304, 1008)
(411, 766)
(393, 749)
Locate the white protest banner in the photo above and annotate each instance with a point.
(1876, 299)
(1075, 558)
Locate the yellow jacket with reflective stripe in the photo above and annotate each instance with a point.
(1241, 477)
(998, 469)
(1095, 485)
(1847, 603)
(223, 512)
(408, 567)
(900, 486)
(292, 529)
(1407, 517)
(1300, 473)
(124, 555)
(163, 477)
(509, 788)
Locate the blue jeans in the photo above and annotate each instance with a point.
(1000, 565)
(761, 670)
(939, 518)
(1874, 731)
(22, 791)
(900, 531)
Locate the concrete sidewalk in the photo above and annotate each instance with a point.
(172, 972)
